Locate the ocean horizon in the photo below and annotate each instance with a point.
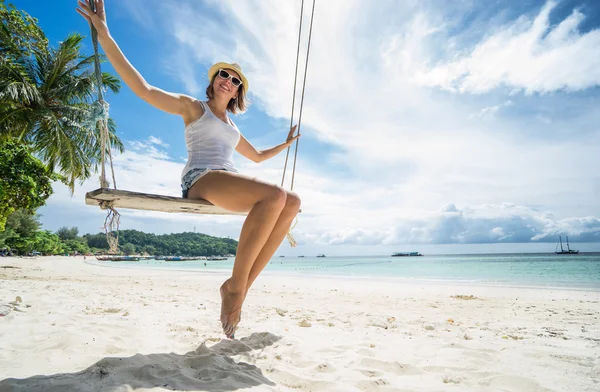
(580, 271)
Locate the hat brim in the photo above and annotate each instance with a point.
(234, 67)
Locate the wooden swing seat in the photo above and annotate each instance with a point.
(150, 202)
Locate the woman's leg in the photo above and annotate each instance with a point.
(292, 206)
(265, 203)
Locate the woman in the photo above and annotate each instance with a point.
(210, 173)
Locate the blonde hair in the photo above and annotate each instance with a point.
(235, 105)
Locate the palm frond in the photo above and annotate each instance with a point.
(45, 99)
(21, 92)
(111, 82)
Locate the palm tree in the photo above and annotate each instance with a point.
(46, 96)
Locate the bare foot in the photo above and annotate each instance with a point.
(231, 308)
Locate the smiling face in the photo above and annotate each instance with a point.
(222, 85)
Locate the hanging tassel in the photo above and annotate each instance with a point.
(111, 226)
(291, 239)
(289, 235)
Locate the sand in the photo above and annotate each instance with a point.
(82, 327)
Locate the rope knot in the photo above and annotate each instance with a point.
(106, 204)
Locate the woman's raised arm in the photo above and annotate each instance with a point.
(169, 102)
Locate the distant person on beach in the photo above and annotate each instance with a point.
(210, 174)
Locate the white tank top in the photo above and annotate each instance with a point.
(210, 143)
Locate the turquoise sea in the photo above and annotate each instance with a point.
(538, 270)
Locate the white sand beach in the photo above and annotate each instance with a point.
(72, 326)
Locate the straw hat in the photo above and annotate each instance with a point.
(233, 66)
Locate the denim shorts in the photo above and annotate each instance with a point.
(191, 177)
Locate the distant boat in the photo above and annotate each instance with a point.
(126, 258)
(321, 255)
(406, 254)
(118, 258)
(562, 251)
(174, 258)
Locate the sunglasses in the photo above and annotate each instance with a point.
(226, 75)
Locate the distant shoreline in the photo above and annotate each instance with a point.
(301, 268)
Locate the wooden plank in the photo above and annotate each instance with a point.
(146, 201)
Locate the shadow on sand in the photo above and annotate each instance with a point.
(205, 369)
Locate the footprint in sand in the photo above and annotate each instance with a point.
(452, 380)
(326, 368)
(371, 373)
(389, 367)
(305, 323)
(374, 385)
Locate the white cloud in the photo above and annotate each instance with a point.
(468, 225)
(151, 147)
(490, 112)
(158, 141)
(527, 54)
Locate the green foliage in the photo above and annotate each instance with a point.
(25, 182)
(23, 235)
(181, 244)
(47, 243)
(6, 236)
(64, 233)
(42, 241)
(149, 249)
(46, 95)
(20, 32)
(20, 231)
(128, 249)
(23, 223)
(77, 244)
(97, 241)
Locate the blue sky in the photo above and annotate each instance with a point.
(436, 126)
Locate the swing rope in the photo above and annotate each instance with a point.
(98, 118)
(289, 236)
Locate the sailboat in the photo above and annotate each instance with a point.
(562, 251)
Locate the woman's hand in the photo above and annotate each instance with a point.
(291, 138)
(246, 149)
(97, 19)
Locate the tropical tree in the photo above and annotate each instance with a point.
(21, 227)
(46, 243)
(25, 182)
(7, 235)
(47, 96)
(64, 233)
(97, 241)
(78, 245)
(128, 249)
(149, 249)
